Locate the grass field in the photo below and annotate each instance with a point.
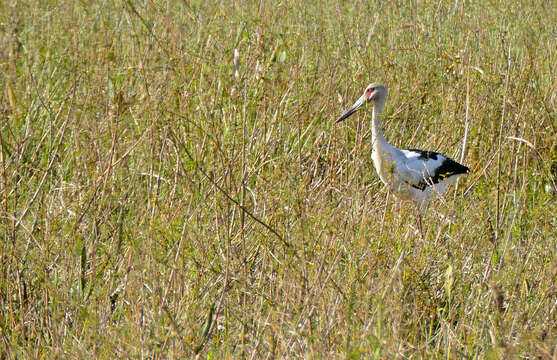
(154, 204)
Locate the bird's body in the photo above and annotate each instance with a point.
(412, 174)
(416, 174)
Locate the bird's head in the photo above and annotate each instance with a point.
(375, 93)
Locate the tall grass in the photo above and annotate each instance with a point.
(155, 205)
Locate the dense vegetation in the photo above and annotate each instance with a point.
(156, 204)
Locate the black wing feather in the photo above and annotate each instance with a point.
(448, 168)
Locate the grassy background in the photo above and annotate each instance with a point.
(137, 170)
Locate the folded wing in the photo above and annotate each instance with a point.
(421, 169)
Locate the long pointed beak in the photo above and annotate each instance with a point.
(361, 101)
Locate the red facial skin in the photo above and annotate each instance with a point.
(368, 92)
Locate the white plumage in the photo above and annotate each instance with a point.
(423, 174)
(412, 174)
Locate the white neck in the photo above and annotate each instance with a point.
(377, 139)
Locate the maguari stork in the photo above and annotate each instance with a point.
(411, 174)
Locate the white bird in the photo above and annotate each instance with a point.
(412, 174)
